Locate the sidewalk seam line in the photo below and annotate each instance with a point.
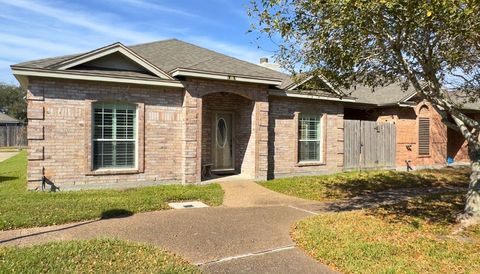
(258, 253)
(304, 210)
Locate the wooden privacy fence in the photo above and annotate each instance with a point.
(13, 136)
(369, 145)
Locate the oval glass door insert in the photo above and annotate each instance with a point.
(221, 133)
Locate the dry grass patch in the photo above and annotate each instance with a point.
(410, 237)
(93, 256)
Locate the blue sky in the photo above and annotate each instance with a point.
(35, 29)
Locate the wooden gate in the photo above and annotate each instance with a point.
(13, 136)
(369, 145)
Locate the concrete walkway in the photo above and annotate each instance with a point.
(5, 155)
(245, 193)
(249, 234)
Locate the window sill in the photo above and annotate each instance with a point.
(303, 164)
(99, 172)
(424, 156)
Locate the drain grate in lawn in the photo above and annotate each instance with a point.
(184, 205)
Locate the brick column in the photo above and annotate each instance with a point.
(192, 135)
(261, 135)
(35, 136)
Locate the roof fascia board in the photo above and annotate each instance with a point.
(220, 76)
(101, 52)
(283, 93)
(408, 97)
(296, 85)
(96, 52)
(321, 77)
(20, 73)
(406, 105)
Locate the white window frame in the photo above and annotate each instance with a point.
(93, 139)
(320, 139)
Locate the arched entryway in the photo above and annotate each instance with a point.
(228, 145)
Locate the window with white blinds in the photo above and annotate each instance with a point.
(423, 136)
(114, 136)
(310, 138)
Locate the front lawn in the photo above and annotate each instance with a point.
(351, 184)
(410, 237)
(93, 256)
(20, 208)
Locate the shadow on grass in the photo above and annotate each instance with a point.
(116, 213)
(7, 178)
(363, 183)
(436, 209)
(107, 214)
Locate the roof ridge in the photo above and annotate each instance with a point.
(154, 42)
(216, 52)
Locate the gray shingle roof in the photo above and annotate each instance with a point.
(464, 100)
(393, 94)
(171, 54)
(5, 119)
(43, 63)
(390, 94)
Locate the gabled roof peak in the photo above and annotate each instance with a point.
(115, 48)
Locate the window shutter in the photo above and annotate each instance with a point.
(423, 136)
(309, 138)
(114, 137)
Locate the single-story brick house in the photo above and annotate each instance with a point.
(170, 111)
(6, 120)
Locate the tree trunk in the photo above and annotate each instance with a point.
(471, 214)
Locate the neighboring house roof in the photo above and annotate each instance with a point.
(381, 96)
(462, 99)
(5, 119)
(174, 57)
(472, 106)
(394, 95)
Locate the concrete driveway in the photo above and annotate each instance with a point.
(240, 237)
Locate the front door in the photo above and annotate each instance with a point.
(223, 147)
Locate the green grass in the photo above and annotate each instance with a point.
(409, 237)
(93, 256)
(20, 208)
(351, 184)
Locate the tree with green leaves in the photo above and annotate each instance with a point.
(430, 45)
(13, 101)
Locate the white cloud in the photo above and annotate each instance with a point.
(46, 28)
(84, 20)
(148, 5)
(39, 44)
(20, 54)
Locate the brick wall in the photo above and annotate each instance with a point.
(406, 120)
(59, 132)
(457, 145)
(283, 131)
(169, 130)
